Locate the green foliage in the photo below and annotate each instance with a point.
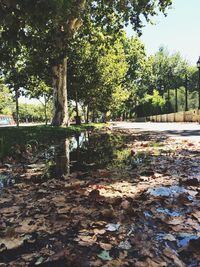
(151, 104)
(96, 74)
(6, 100)
(34, 112)
(37, 35)
(166, 73)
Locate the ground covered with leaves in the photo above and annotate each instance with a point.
(142, 209)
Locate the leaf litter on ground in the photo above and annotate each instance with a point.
(147, 215)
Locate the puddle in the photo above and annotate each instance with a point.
(166, 191)
(54, 157)
(185, 238)
(147, 214)
(6, 180)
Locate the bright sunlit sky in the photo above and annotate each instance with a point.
(179, 31)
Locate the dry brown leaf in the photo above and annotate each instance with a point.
(99, 231)
(108, 213)
(175, 221)
(87, 241)
(150, 263)
(105, 246)
(196, 214)
(10, 210)
(12, 243)
(96, 263)
(116, 263)
(125, 204)
(171, 254)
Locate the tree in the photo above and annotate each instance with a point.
(169, 73)
(40, 90)
(137, 74)
(13, 70)
(97, 72)
(6, 100)
(151, 105)
(34, 112)
(47, 28)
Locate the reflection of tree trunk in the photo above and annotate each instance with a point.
(61, 116)
(45, 109)
(63, 160)
(67, 157)
(84, 112)
(17, 106)
(78, 147)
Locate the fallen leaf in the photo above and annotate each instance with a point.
(111, 227)
(86, 240)
(169, 237)
(12, 243)
(108, 213)
(99, 231)
(39, 261)
(125, 245)
(196, 214)
(169, 253)
(104, 255)
(105, 246)
(150, 263)
(175, 221)
(125, 204)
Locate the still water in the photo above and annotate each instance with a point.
(53, 157)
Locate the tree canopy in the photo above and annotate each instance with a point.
(47, 28)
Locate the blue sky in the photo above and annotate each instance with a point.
(179, 31)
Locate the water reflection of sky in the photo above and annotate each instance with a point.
(78, 141)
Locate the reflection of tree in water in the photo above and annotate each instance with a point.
(97, 151)
(62, 159)
(85, 151)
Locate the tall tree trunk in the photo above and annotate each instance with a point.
(88, 111)
(77, 114)
(17, 106)
(61, 115)
(93, 116)
(78, 118)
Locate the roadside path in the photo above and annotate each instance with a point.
(188, 131)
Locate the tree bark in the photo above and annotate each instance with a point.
(88, 112)
(45, 109)
(77, 113)
(61, 115)
(78, 118)
(93, 116)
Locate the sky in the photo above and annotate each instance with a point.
(179, 31)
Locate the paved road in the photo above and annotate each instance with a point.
(189, 131)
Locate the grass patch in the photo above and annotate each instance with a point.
(42, 129)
